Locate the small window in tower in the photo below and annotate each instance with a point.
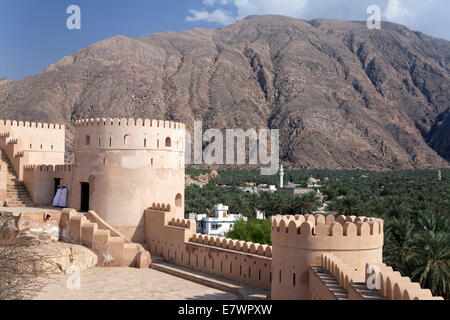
(52, 147)
(145, 143)
(126, 139)
(157, 143)
(41, 146)
(179, 200)
(110, 142)
(151, 161)
(88, 140)
(168, 142)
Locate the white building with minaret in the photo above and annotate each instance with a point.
(281, 177)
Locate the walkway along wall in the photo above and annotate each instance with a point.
(175, 240)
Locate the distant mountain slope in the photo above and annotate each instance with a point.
(342, 96)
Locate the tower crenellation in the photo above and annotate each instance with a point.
(126, 134)
(300, 241)
(315, 231)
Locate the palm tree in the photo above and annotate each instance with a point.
(349, 205)
(429, 261)
(307, 203)
(398, 243)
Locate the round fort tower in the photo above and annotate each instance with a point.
(123, 166)
(298, 243)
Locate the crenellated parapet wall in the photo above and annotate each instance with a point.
(25, 124)
(128, 134)
(315, 232)
(30, 143)
(344, 273)
(128, 123)
(50, 168)
(380, 282)
(392, 285)
(300, 241)
(37, 137)
(233, 245)
(177, 242)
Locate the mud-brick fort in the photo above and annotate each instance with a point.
(126, 188)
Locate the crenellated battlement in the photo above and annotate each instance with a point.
(44, 168)
(315, 231)
(33, 125)
(115, 122)
(181, 223)
(392, 285)
(342, 272)
(129, 134)
(235, 245)
(160, 207)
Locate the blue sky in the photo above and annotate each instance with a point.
(33, 33)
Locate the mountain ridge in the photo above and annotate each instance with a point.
(343, 96)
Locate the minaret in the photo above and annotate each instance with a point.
(281, 177)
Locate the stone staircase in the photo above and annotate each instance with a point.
(16, 193)
(111, 249)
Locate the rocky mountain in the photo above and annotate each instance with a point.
(343, 96)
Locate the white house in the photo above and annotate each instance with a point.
(218, 224)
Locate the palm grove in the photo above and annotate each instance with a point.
(414, 204)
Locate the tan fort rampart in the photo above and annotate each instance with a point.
(32, 143)
(387, 283)
(299, 242)
(393, 286)
(177, 242)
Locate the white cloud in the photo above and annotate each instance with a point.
(293, 8)
(428, 16)
(217, 15)
(214, 2)
(243, 8)
(405, 12)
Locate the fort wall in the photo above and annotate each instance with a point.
(30, 143)
(299, 242)
(3, 183)
(41, 182)
(175, 240)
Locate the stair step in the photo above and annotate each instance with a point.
(17, 194)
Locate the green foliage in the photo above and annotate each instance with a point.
(257, 231)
